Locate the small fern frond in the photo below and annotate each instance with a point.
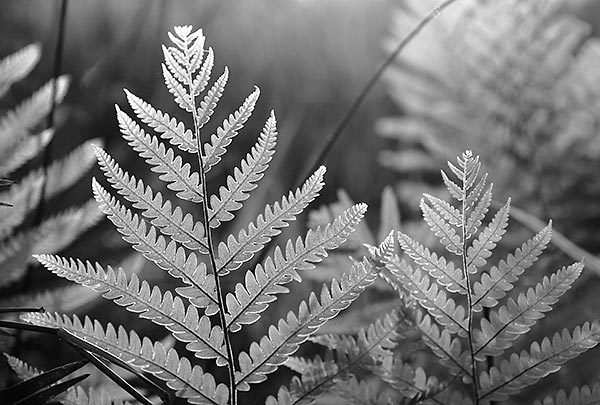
(494, 285)
(481, 248)
(227, 131)
(245, 177)
(17, 154)
(170, 221)
(186, 325)
(450, 213)
(23, 370)
(578, 396)
(411, 382)
(18, 123)
(442, 344)
(178, 175)
(442, 229)
(211, 99)
(266, 356)
(16, 66)
(168, 127)
(251, 299)
(443, 271)
(427, 293)
(542, 359)
(168, 256)
(235, 252)
(514, 319)
(188, 382)
(318, 378)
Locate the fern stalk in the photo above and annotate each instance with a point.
(469, 289)
(209, 242)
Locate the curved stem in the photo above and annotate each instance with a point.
(211, 250)
(334, 136)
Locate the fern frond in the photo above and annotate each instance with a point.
(318, 377)
(450, 213)
(411, 382)
(180, 94)
(251, 299)
(168, 256)
(482, 207)
(23, 370)
(168, 127)
(203, 76)
(17, 65)
(170, 221)
(429, 296)
(244, 177)
(437, 267)
(266, 356)
(481, 248)
(210, 101)
(17, 154)
(542, 359)
(578, 396)
(17, 123)
(186, 325)
(442, 229)
(227, 131)
(235, 252)
(178, 175)
(494, 284)
(64, 172)
(189, 382)
(443, 345)
(515, 318)
(59, 231)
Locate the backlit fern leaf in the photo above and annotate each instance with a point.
(244, 177)
(578, 396)
(187, 249)
(186, 325)
(272, 350)
(188, 381)
(515, 318)
(542, 359)
(239, 250)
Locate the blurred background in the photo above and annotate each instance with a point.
(310, 59)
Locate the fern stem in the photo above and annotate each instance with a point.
(211, 250)
(469, 291)
(335, 135)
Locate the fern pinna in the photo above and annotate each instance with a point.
(200, 313)
(446, 302)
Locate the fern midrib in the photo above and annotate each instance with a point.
(208, 232)
(275, 278)
(468, 282)
(124, 184)
(301, 326)
(574, 344)
(134, 234)
(521, 313)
